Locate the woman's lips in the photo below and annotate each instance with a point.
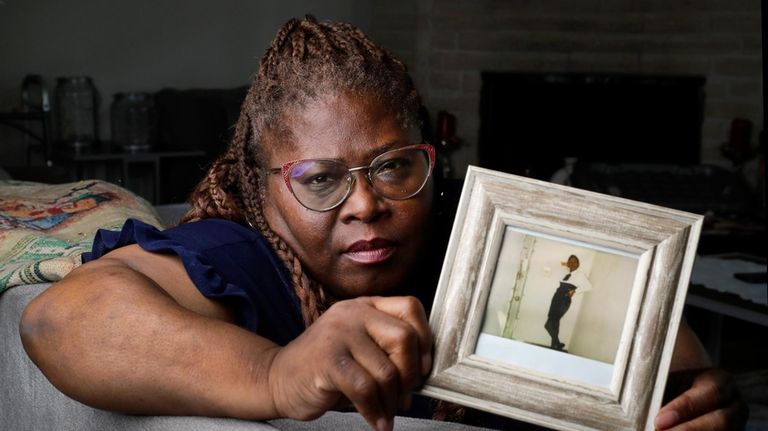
(370, 252)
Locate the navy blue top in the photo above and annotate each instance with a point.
(227, 262)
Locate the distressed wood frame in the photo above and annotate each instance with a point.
(665, 241)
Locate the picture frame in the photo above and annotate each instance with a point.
(496, 350)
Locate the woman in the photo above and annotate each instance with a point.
(264, 303)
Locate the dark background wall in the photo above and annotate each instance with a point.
(448, 42)
(144, 45)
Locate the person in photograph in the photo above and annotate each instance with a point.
(575, 282)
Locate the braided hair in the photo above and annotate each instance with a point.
(307, 59)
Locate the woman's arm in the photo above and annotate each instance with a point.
(689, 352)
(704, 398)
(130, 332)
(116, 336)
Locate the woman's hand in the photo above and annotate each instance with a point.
(705, 399)
(369, 351)
(700, 397)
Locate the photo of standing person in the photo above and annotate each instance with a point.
(575, 282)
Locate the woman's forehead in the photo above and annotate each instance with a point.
(339, 126)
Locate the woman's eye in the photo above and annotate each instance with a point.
(321, 183)
(393, 165)
(319, 179)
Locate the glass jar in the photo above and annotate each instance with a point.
(34, 94)
(77, 108)
(134, 121)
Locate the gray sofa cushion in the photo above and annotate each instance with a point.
(354, 422)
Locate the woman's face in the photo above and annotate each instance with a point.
(369, 244)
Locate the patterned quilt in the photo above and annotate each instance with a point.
(44, 228)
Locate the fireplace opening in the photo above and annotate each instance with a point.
(531, 122)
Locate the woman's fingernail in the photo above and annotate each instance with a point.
(384, 424)
(667, 419)
(426, 362)
(405, 401)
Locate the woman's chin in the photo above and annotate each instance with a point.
(369, 283)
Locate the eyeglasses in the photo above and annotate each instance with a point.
(324, 184)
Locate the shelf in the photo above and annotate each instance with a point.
(140, 172)
(12, 119)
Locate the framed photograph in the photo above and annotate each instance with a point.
(559, 306)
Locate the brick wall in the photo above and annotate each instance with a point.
(446, 44)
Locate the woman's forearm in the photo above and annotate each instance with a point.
(111, 338)
(689, 352)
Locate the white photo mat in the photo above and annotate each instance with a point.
(483, 370)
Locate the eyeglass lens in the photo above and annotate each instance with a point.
(323, 184)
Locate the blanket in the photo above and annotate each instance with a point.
(44, 228)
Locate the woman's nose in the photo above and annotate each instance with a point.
(363, 203)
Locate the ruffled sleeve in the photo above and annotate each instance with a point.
(227, 262)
